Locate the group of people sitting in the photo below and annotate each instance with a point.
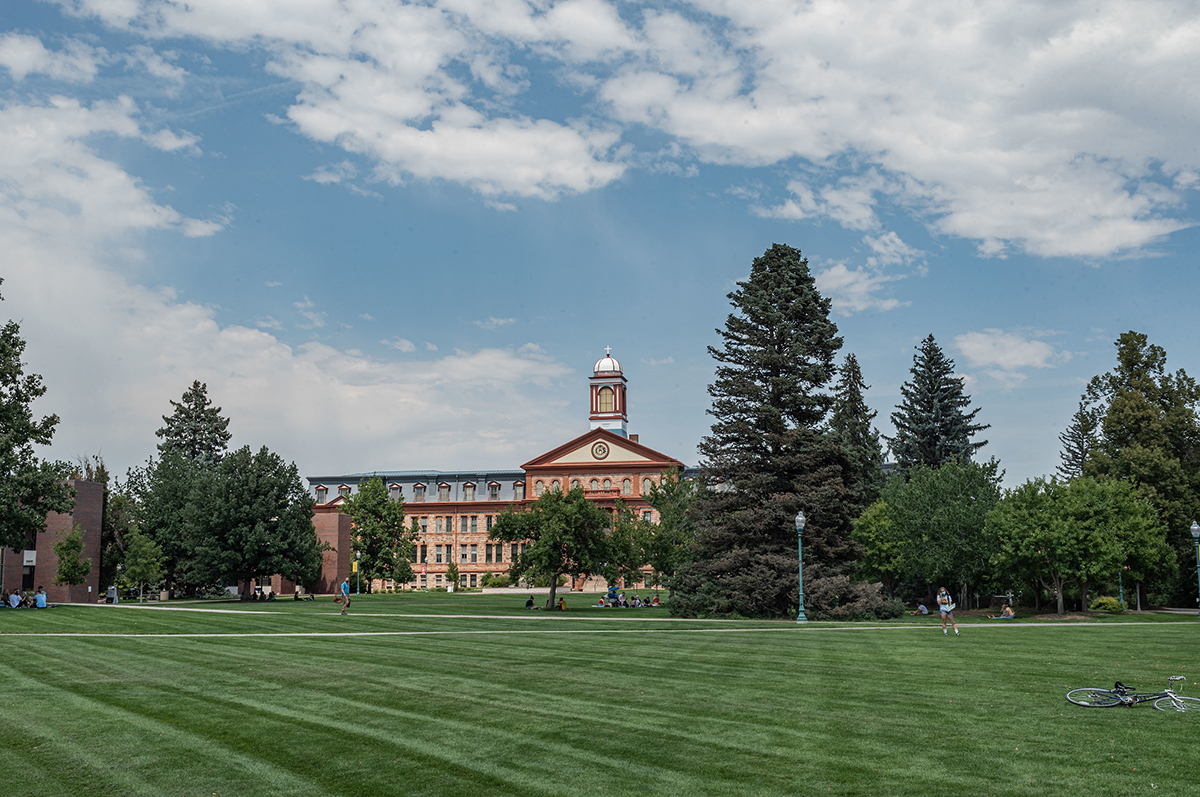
(620, 601)
(1006, 612)
(560, 607)
(300, 596)
(35, 600)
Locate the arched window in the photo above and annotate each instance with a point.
(595, 484)
(554, 485)
(607, 484)
(604, 400)
(627, 487)
(646, 486)
(537, 489)
(574, 484)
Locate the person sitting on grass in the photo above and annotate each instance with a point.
(5, 599)
(14, 600)
(296, 595)
(39, 600)
(920, 609)
(655, 601)
(562, 605)
(529, 603)
(1006, 613)
(600, 603)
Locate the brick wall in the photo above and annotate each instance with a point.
(88, 513)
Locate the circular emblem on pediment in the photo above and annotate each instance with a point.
(600, 450)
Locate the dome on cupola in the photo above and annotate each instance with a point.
(607, 365)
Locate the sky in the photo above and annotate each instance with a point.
(397, 235)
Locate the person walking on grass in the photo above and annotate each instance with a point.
(345, 589)
(946, 608)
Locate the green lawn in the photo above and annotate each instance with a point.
(408, 698)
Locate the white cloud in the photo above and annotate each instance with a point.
(315, 318)
(170, 141)
(430, 347)
(366, 316)
(1003, 355)
(494, 323)
(889, 250)
(334, 173)
(853, 290)
(23, 55)
(267, 322)
(156, 64)
(272, 284)
(400, 343)
(663, 361)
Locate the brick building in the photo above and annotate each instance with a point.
(37, 564)
(455, 510)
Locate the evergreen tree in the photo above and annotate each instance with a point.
(768, 453)
(1078, 440)
(196, 428)
(29, 487)
(851, 427)
(932, 422)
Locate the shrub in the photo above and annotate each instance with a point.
(493, 581)
(839, 598)
(1108, 604)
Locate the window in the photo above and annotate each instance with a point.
(437, 554)
(424, 525)
(424, 554)
(424, 580)
(493, 492)
(468, 492)
(462, 580)
(499, 554)
(322, 494)
(554, 486)
(595, 485)
(607, 484)
(437, 524)
(537, 489)
(462, 553)
(627, 487)
(463, 525)
(472, 579)
(474, 554)
(416, 554)
(575, 484)
(419, 492)
(488, 523)
(437, 579)
(487, 554)
(344, 491)
(394, 492)
(646, 516)
(519, 491)
(513, 553)
(646, 486)
(604, 400)
(443, 492)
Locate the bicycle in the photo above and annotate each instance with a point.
(1122, 695)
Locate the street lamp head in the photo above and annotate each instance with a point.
(1195, 530)
(799, 521)
(358, 554)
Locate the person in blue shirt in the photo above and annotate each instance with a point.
(345, 594)
(39, 601)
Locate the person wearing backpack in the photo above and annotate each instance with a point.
(946, 608)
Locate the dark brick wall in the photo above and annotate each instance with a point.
(88, 513)
(334, 529)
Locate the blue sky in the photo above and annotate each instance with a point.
(396, 235)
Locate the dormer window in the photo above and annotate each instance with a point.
(493, 492)
(604, 400)
(344, 491)
(443, 492)
(519, 491)
(468, 492)
(322, 493)
(419, 492)
(394, 492)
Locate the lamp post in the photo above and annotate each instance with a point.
(1121, 586)
(1196, 537)
(800, 618)
(358, 572)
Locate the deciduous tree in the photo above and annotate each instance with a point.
(73, 567)
(379, 533)
(566, 535)
(142, 564)
(29, 487)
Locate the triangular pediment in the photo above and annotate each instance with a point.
(602, 447)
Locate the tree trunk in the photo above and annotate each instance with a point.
(1138, 587)
(68, 593)
(553, 590)
(1058, 585)
(1083, 601)
(245, 589)
(1037, 598)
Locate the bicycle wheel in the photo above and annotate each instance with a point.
(1095, 698)
(1178, 704)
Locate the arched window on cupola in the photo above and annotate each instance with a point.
(605, 401)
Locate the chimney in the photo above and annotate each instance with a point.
(633, 438)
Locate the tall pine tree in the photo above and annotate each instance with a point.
(768, 454)
(932, 422)
(851, 427)
(1078, 440)
(196, 428)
